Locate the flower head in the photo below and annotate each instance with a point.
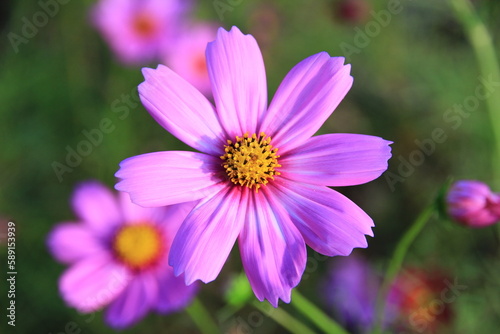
(352, 11)
(261, 178)
(138, 31)
(118, 254)
(473, 204)
(351, 291)
(423, 299)
(186, 57)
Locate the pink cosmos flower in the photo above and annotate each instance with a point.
(118, 254)
(269, 194)
(473, 204)
(139, 30)
(187, 55)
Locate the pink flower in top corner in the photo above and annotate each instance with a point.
(261, 177)
(187, 56)
(473, 204)
(117, 253)
(138, 30)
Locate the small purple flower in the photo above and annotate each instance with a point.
(271, 195)
(351, 290)
(473, 204)
(187, 55)
(139, 31)
(118, 254)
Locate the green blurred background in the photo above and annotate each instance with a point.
(64, 81)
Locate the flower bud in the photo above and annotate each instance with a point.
(472, 204)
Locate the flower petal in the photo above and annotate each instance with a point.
(467, 196)
(92, 283)
(164, 178)
(473, 204)
(305, 99)
(272, 250)
(97, 206)
(238, 77)
(134, 302)
(171, 220)
(330, 223)
(480, 218)
(174, 294)
(70, 242)
(133, 213)
(337, 160)
(182, 110)
(206, 237)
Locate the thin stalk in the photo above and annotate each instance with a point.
(316, 315)
(279, 315)
(397, 260)
(487, 60)
(201, 317)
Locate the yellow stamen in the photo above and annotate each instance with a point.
(138, 246)
(251, 161)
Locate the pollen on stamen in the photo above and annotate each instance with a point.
(251, 160)
(138, 246)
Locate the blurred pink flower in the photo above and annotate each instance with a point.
(352, 11)
(187, 55)
(273, 204)
(139, 30)
(266, 23)
(423, 299)
(473, 204)
(118, 254)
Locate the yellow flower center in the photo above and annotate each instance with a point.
(138, 246)
(251, 161)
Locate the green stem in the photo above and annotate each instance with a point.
(201, 317)
(283, 318)
(316, 315)
(484, 50)
(397, 261)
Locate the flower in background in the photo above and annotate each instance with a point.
(351, 291)
(472, 204)
(423, 299)
(186, 57)
(117, 254)
(266, 23)
(418, 300)
(351, 11)
(270, 194)
(139, 31)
